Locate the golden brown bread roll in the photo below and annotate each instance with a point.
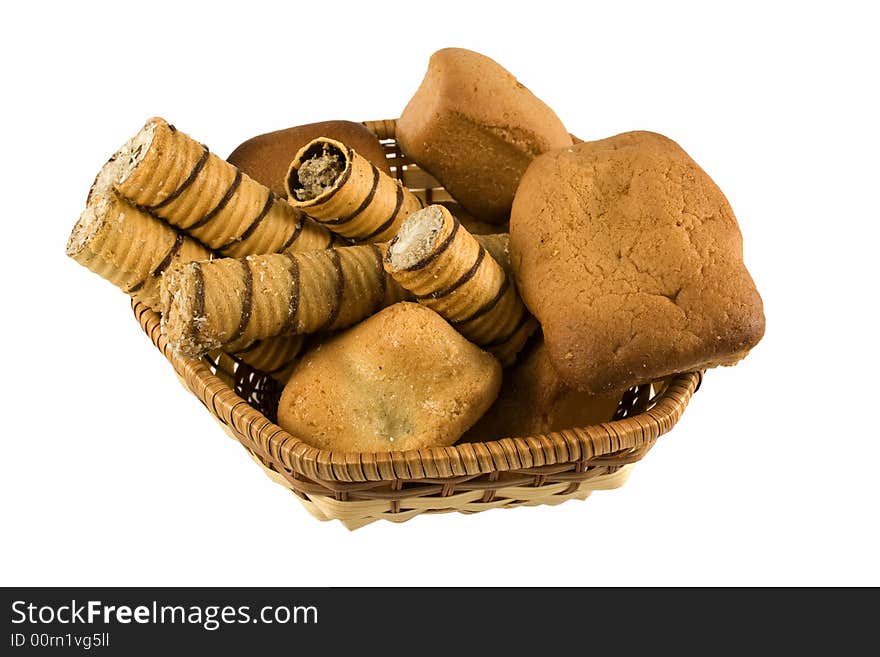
(476, 128)
(401, 379)
(648, 254)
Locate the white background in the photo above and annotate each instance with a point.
(112, 474)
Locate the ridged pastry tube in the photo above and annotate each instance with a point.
(169, 174)
(128, 247)
(448, 270)
(273, 356)
(230, 302)
(131, 249)
(358, 201)
(497, 245)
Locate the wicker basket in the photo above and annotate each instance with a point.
(358, 488)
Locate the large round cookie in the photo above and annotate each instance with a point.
(630, 257)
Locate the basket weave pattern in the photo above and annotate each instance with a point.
(359, 488)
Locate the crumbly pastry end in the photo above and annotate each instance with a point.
(266, 157)
(416, 238)
(319, 172)
(127, 158)
(88, 225)
(180, 324)
(124, 161)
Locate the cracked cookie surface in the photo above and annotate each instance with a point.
(649, 255)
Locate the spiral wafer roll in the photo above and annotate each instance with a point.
(131, 249)
(230, 302)
(273, 356)
(128, 247)
(169, 174)
(449, 271)
(344, 191)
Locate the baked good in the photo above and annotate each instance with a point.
(533, 400)
(449, 271)
(648, 255)
(347, 193)
(274, 356)
(267, 157)
(131, 249)
(402, 379)
(169, 174)
(127, 246)
(230, 302)
(497, 245)
(475, 128)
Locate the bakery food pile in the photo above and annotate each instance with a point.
(564, 272)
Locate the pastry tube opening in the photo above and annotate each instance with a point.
(229, 303)
(169, 174)
(454, 274)
(129, 247)
(347, 193)
(320, 168)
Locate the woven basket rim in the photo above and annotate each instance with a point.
(581, 444)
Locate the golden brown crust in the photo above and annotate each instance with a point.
(533, 400)
(402, 379)
(267, 157)
(649, 255)
(476, 128)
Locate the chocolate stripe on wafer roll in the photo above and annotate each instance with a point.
(179, 180)
(131, 249)
(222, 203)
(346, 192)
(216, 304)
(453, 273)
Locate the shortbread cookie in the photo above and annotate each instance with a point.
(230, 302)
(169, 174)
(533, 401)
(347, 193)
(476, 128)
(631, 258)
(266, 158)
(449, 271)
(402, 379)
